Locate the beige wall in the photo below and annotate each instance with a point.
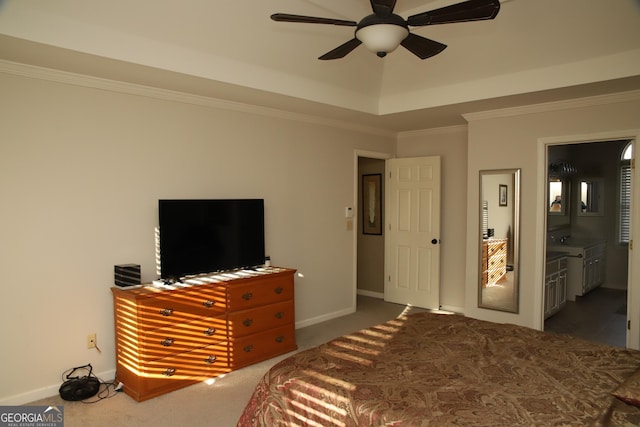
(370, 246)
(506, 140)
(515, 141)
(81, 171)
(451, 145)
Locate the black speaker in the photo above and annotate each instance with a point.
(126, 274)
(79, 388)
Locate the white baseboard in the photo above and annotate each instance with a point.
(325, 317)
(365, 293)
(380, 295)
(48, 391)
(457, 310)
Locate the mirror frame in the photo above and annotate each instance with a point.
(513, 306)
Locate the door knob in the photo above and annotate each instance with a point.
(434, 241)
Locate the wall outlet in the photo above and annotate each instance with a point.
(91, 340)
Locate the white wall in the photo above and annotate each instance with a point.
(81, 170)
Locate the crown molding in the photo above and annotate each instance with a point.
(545, 107)
(65, 77)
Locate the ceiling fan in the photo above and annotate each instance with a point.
(383, 31)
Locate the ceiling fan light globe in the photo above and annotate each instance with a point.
(383, 38)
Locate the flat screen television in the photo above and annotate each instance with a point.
(205, 236)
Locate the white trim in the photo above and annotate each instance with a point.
(65, 77)
(45, 392)
(356, 214)
(591, 137)
(590, 101)
(324, 318)
(453, 309)
(365, 293)
(633, 276)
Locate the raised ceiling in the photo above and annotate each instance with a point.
(534, 51)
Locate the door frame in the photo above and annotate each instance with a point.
(633, 277)
(356, 212)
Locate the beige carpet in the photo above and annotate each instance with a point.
(221, 403)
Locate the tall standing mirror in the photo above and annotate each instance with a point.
(499, 239)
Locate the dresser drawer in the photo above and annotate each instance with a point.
(494, 276)
(255, 320)
(261, 346)
(266, 290)
(183, 305)
(198, 364)
(492, 248)
(180, 337)
(497, 262)
(170, 338)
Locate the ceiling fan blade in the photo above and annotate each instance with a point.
(342, 50)
(383, 7)
(422, 47)
(285, 17)
(471, 10)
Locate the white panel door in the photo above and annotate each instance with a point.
(412, 250)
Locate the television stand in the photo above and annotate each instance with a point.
(169, 337)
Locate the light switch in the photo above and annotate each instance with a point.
(348, 212)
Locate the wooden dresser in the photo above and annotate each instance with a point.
(167, 339)
(494, 261)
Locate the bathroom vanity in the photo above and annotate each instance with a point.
(585, 264)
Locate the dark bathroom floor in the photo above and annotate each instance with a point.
(599, 316)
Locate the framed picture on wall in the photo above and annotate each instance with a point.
(372, 204)
(502, 194)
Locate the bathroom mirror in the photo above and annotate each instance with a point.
(591, 197)
(559, 203)
(558, 196)
(499, 239)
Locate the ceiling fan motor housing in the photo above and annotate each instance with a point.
(382, 34)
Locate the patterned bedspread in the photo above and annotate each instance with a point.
(431, 369)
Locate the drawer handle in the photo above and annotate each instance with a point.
(169, 372)
(209, 332)
(167, 342)
(208, 303)
(247, 322)
(279, 315)
(247, 296)
(279, 339)
(248, 349)
(166, 312)
(210, 360)
(279, 290)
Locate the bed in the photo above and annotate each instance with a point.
(428, 369)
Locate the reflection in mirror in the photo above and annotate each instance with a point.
(499, 234)
(590, 197)
(557, 203)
